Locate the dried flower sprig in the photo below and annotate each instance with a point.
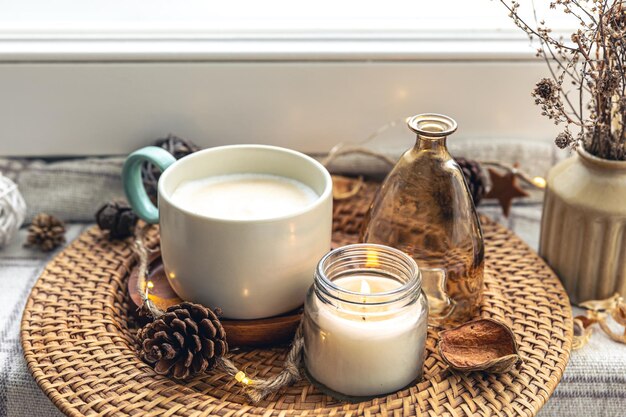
(593, 62)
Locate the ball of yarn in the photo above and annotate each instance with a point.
(12, 210)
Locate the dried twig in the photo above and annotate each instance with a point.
(594, 61)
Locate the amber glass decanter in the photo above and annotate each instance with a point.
(425, 209)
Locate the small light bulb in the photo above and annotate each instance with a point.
(241, 377)
(149, 286)
(539, 182)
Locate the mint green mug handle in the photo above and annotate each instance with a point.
(133, 184)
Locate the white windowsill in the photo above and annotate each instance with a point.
(272, 30)
(379, 48)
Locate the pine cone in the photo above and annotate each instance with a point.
(185, 341)
(46, 232)
(118, 218)
(178, 147)
(474, 178)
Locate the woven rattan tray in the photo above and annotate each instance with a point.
(80, 348)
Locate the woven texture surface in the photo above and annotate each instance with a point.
(80, 348)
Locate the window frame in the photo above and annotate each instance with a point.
(73, 83)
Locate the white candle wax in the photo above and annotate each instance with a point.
(365, 350)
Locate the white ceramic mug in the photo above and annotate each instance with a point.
(249, 268)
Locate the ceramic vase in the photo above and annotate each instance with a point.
(582, 227)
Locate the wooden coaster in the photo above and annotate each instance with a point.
(261, 332)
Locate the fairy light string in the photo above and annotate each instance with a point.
(256, 389)
(345, 149)
(340, 150)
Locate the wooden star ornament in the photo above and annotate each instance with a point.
(504, 188)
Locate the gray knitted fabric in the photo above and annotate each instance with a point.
(71, 190)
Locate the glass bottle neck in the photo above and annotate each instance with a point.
(426, 143)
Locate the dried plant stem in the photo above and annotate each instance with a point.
(594, 61)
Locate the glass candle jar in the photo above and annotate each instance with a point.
(365, 321)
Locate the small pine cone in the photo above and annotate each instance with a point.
(185, 341)
(474, 178)
(46, 232)
(178, 147)
(118, 218)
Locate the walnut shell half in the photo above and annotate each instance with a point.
(480, 345)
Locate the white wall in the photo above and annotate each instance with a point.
(108, 76)
(79, 108)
